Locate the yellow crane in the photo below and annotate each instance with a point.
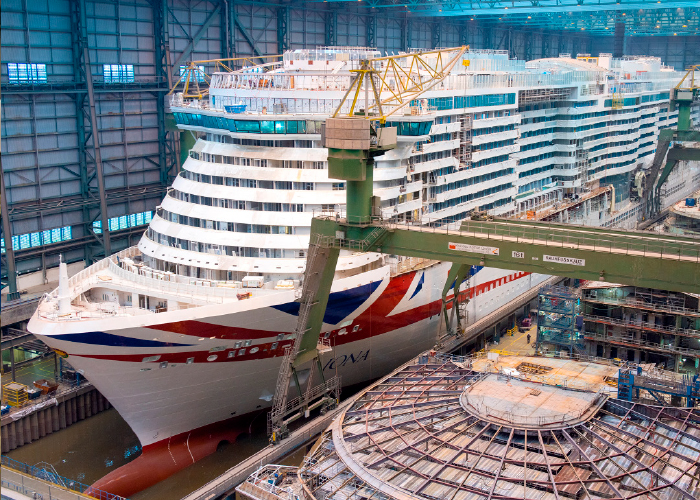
(193, 75)
(403, 77)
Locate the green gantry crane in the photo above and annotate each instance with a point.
(682, 98)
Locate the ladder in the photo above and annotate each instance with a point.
(465, 141)
(326, 394)
(618, 102)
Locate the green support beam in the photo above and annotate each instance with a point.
(456, 276)
(629, 257)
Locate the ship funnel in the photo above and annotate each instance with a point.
(63, 292)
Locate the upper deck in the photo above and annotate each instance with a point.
(122, 286)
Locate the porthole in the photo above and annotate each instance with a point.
(212, 357)
(254, 350)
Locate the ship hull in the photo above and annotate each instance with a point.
(179, 387)
(157, 375)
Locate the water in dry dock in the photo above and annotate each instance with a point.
(96, 446)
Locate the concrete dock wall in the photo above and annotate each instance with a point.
(34, 422)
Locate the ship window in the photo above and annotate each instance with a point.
(254, 350)
(248, 126)
(279, 127)
(355, 328)
(301, 127)
(241, 352)
(280, 336)
(212, 357)
(231, 354)
(237, 345)
(247, 343)
(163, 364)
(267, 127)
(292, 127)
(189, 361)
(148, 359)
(273, 346)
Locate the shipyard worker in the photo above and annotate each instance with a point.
(528, 339)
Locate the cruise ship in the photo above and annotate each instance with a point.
(185, 333)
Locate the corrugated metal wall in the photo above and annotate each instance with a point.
(40, 143)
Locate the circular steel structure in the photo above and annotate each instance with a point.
(410, 437)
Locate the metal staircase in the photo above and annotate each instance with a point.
(325, 394)
(465, 141)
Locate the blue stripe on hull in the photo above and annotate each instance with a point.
(340, 304)
(108, 339)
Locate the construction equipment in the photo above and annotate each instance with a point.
(193, 74)
(682, 98)
(404, 78)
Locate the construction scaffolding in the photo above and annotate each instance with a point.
(658, 387)
(559, 323)
(543, 95)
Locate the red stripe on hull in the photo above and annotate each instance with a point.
(372, 322)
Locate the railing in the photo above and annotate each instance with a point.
(643, 325)
(512, 417)
(634, 303)
(44, 475)
(23, 490)
(180, 289)
(642, 343)
(267, 478)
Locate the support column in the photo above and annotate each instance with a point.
(12, 363)
(9, 250)
(164, 76)
(437, 34)
(545, 45)
(528, 45)
(464, 33)
(332, 27)
(486, 37)
(406, 34)
(371, 38)
(82, 65)
(282, 29)
(619, 39)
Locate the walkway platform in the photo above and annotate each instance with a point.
(18, 486)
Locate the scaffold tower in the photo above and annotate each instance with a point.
(557, 324)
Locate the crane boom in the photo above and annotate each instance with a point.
(404, 78)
